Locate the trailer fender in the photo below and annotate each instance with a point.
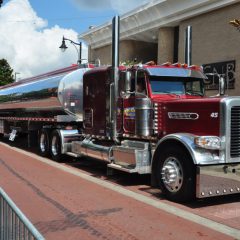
(67, 137)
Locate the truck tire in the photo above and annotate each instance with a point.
(44, 143)
(176, 174)
(56, 146)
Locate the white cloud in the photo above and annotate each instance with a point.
(120, 6)
(29, 45)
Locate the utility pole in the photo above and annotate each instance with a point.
(16, 73)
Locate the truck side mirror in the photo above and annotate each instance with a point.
(221, 82)
(221, 85)
(127, 82)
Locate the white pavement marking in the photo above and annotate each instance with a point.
(141, 198)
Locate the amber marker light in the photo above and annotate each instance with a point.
(208, 142)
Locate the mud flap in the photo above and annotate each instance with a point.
(13, 135)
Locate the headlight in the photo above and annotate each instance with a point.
(208, 142)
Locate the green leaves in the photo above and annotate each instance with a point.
(6, 73)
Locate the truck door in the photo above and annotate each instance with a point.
(138, 90)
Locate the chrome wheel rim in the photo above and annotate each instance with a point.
(54, 146)
(172, 174)
(43, 142)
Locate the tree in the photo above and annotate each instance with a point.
(6, 73)
(1, 1)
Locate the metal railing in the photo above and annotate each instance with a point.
(13, 223)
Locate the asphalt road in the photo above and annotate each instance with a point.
(77, 200)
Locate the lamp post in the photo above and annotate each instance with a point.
(235, 23)
(63, 47)
(16, 73)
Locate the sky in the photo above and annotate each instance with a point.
(31, 30)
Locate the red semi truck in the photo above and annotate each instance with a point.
(145, 119)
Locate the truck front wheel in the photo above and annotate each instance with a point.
(56, 146)
(43, 143)
(176, 174)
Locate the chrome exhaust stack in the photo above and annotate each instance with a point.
(115, 78)
(188, 45)
(115, 41)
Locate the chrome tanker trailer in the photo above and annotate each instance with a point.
(45, 96)
(40, 104)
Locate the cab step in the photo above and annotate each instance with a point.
(122, 168)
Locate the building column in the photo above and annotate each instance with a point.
(90, 54)
(165, 45)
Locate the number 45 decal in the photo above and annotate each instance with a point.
(214, 115)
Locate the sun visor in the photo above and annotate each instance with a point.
(176, 72)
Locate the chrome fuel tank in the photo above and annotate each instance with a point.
(144, 117)
(60, 94)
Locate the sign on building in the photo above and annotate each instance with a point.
(226, 68)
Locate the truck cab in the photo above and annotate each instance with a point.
(154, 84)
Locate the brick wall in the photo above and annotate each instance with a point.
(129, 49)
(214, 40)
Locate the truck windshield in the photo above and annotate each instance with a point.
(179, 86)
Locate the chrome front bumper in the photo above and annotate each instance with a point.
(216, 180)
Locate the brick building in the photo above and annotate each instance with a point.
(156, 31)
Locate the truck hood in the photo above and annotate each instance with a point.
(199, 116)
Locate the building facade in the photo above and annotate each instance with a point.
(156, 31)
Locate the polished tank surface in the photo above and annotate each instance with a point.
(60, 94)
(70, 93)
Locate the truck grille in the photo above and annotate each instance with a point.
(235, 132)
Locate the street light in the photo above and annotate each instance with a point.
(235, 23)
(16, 73)
(63, 47)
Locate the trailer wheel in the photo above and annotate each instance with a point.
(176, 174)
(56, 146)
(44, 143)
